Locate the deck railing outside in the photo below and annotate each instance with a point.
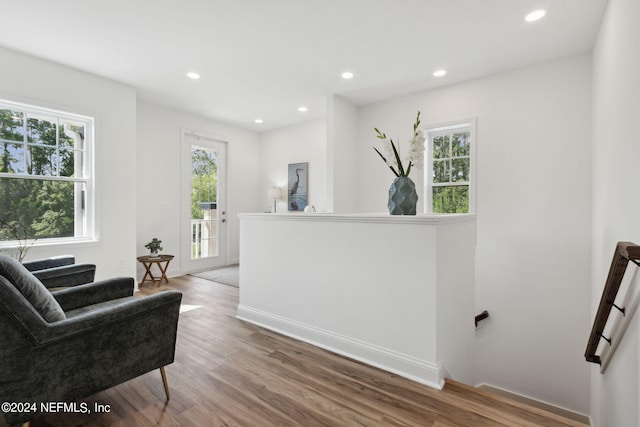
(204, 241)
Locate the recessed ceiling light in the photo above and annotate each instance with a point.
(259, 121)
(347, 75)
(439, 73)
(302, 109)
(192, 75)
(535, 15)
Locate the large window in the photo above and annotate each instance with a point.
(449, 181)
(45, 174)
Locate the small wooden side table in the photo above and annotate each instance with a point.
(163, 263)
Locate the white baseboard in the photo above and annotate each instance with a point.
(421, 371)
(576, 416)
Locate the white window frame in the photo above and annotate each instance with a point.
(84, 227)
(440, 129)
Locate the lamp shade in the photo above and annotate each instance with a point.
(274, 193)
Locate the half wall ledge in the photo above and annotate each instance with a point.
(394, 292)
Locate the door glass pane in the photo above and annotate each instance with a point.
(204, 212)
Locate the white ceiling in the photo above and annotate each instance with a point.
(264, 58)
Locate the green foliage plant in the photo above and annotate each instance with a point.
(154, 245)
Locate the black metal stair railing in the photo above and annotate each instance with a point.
(480, 317)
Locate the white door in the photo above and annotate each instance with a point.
(204, 216)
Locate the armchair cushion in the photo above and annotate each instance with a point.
(32, 289)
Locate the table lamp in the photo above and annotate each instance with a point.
(274, 194)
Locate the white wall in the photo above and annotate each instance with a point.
(305, 142)
(342, 132)
(158, 170)
(616, 206)
(534, 223)
(35, 81)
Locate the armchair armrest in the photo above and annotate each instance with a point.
(157, 309)
(94, 293)
(52, 262)
(66, 275)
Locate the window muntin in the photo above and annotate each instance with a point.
(45, 176)
(448, 175)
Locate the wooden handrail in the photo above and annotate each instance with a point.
(625, 252)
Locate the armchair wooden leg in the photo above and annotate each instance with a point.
(164, 382)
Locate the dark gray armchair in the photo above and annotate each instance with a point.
(61, 271)
(67, 345)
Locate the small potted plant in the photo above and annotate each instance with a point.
(154, 247)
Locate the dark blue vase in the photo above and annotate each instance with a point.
(402, 197)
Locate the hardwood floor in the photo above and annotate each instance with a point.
(230, 373)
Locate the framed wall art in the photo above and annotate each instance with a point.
(298, 188)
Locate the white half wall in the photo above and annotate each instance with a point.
(158, 171)
(300, 143)
(534, 222)
(616, 206)
(39, 82)
(395, 292)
